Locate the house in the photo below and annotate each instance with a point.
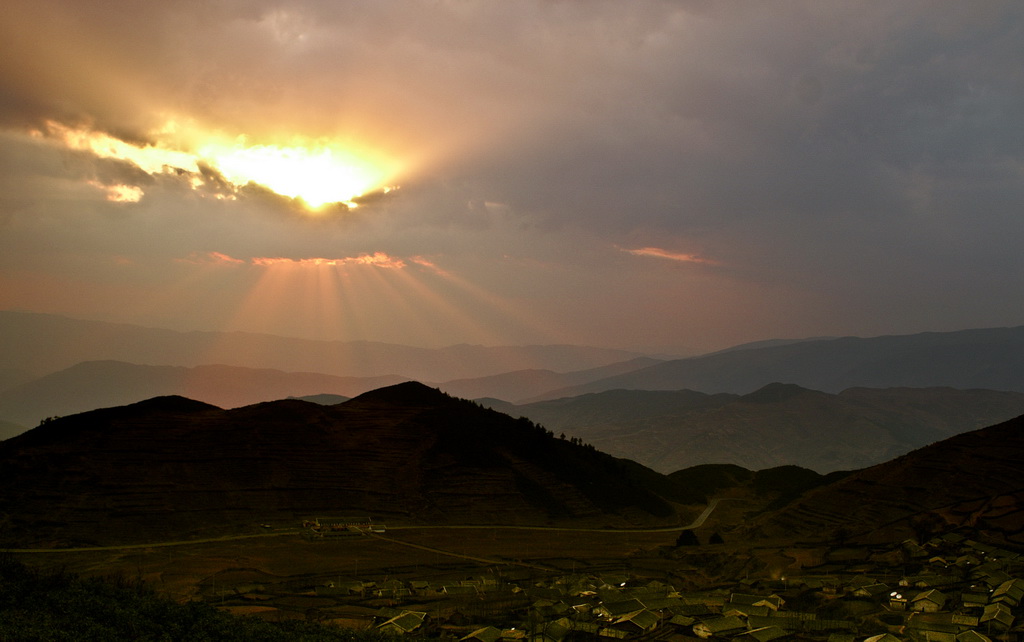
(746, 610)
(875, 591)
(997, 616)
(934, 626)
(718, 626)
(897, 601)
(774, 602)
(763, 634)
(913, 549)
(710, 598)
(392, 589)
(682, 621)
(928, 602)
(974, 599)
(353, 587)
(406, 622)
(972, 636)
(486, 634)
(618, 609)
(554, 631)
(1010, 592)
(638, 623)
(993, 577)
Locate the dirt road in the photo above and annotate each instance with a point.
(697, 523)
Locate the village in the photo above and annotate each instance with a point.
(948, 589)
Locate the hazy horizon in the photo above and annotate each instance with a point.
(667, 178)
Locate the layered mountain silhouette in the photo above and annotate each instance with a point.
(777, 425)
(98, 384)
(38, 344)
(524, 384)
(986, 358)
(971, 481)
(172, 466)
(101, 384)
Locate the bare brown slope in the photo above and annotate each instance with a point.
(409, 453)
(973, 479)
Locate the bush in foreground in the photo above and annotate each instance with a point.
(38, 606)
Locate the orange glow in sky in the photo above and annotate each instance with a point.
(119, 193)
(316, 172)
(660, 253)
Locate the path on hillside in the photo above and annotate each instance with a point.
(697, 523)
(441, 551)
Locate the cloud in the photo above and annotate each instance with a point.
(671, 256)
(211, 258)
(119, 193)
(376, 259)
(838, 157)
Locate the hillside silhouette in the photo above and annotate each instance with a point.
(974, 480)
(102, 384)
(171, 465)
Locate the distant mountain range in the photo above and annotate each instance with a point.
(523, 384)
(989, 358)
(780, 424)
(38, 344)
(406, 452)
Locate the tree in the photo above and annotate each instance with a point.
(687, 538)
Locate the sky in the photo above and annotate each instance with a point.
(666, 177)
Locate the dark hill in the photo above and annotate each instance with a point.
(172, 468)
(102, 384)
(975, 480)
(780, 485)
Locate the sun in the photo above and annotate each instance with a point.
(315, 173)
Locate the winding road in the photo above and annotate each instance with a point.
(697, 523)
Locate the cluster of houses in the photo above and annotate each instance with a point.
(948, 589)
(959, 590)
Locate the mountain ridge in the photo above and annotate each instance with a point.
(989, 358)
(97, 384)
(779, 424)
(406, 452)
(38, 344)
